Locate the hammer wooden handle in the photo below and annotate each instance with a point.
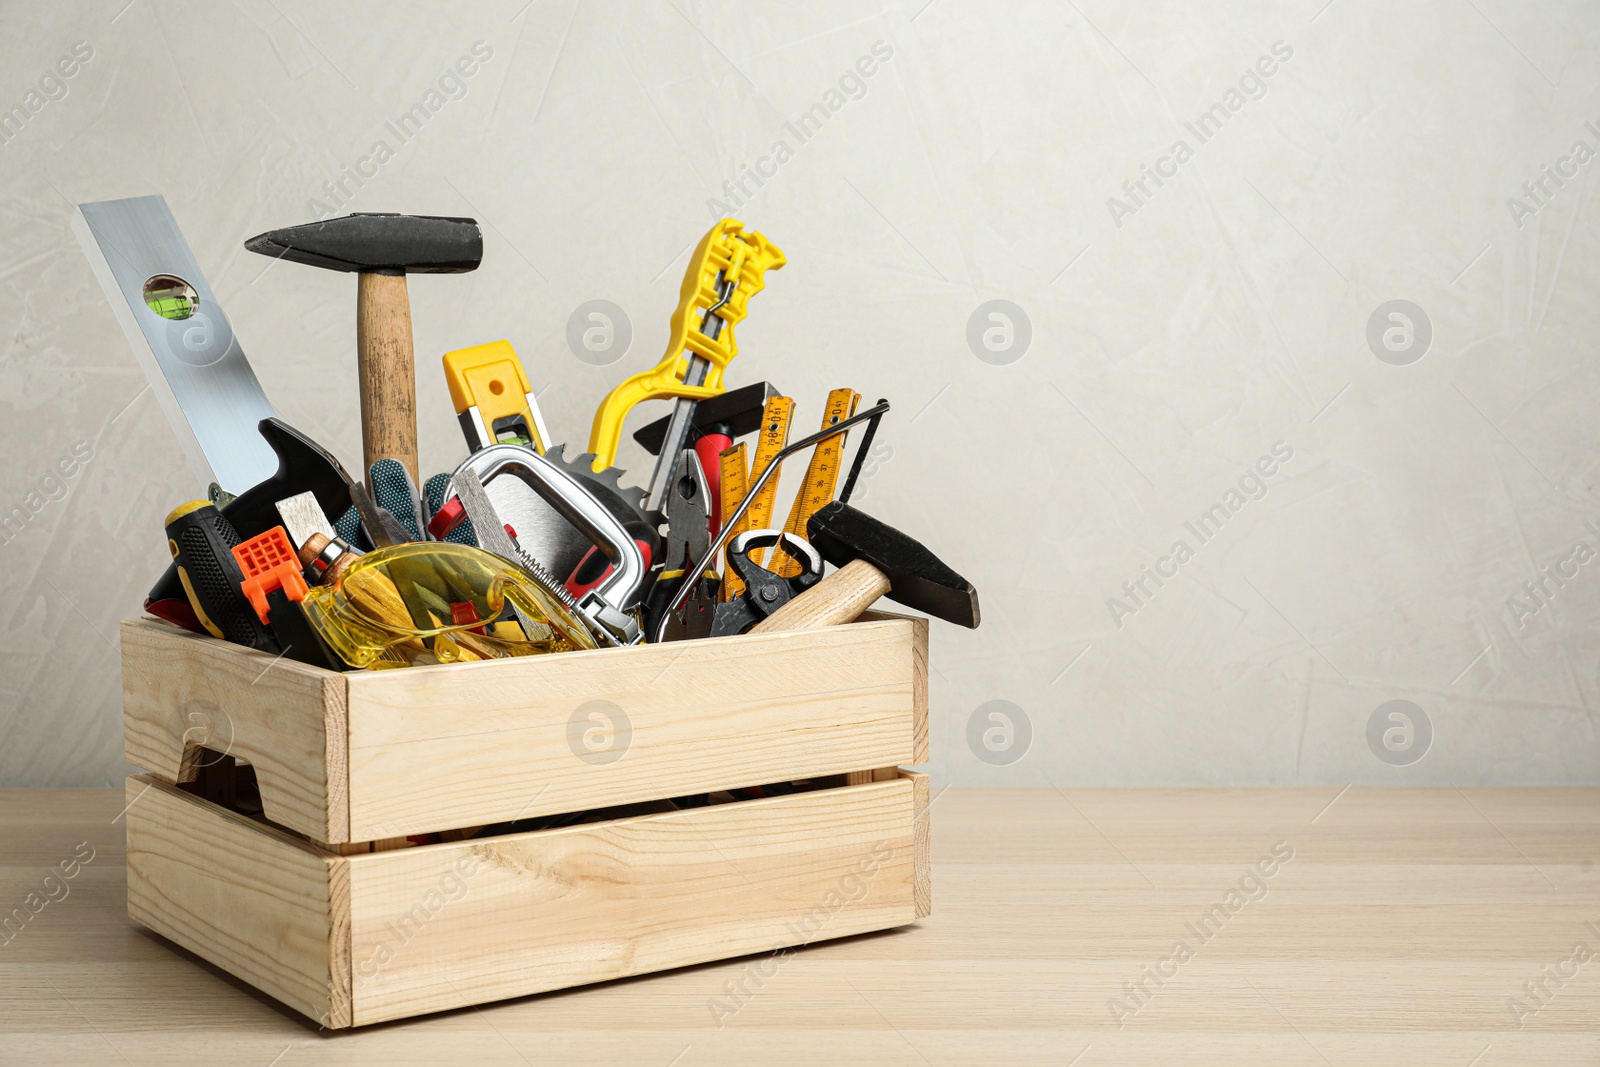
(386, 368)
(839, 597)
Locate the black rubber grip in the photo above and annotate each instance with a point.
(205, 539)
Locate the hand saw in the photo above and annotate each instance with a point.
(727, 269)
(183, 340)
(774, 435)
(822, 475)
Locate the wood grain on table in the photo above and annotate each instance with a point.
(1402, 929)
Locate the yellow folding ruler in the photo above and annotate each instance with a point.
(733, 469)
(774, 435)
(822, 476)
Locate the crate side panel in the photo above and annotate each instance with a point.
(922, 834)
(251, 900)
(919, 677)
(440, 748)
(181, 691)
(446, 926)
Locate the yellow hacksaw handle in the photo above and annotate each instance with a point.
(743, 258)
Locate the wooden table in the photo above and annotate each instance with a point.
(1394, 926)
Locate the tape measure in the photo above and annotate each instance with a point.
(774, 435)
(492, 397)
(822, 476)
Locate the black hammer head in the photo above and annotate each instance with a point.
(378, 243)
(917, 578)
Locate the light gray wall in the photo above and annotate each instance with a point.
(1176, 340)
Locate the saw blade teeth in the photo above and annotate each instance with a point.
(586, 460)
(608, 480)
(614, 476)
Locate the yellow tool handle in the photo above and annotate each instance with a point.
(734, 470)
(742, 258)
(822, 475)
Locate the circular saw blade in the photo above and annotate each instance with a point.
(624, 502)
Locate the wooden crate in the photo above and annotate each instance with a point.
(321, 902)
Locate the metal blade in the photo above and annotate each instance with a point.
(542, 532)
(188, 351)
(302, 516)
(383, 529)
(492, 537)
(678, 423)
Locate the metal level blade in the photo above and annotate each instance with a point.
(183, 340)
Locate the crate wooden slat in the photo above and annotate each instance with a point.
(704, 715)
(922, 841)
(385, 935)
(919, 675)
(255, 901)
(182, 690)
(385, 754)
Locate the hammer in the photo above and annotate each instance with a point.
(381, 248)
(874, 560)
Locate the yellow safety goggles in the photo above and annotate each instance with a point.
(437, 602)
